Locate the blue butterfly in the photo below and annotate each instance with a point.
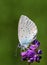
(27, 31)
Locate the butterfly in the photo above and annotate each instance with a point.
(27, 31)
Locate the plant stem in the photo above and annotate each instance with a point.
(28, 63)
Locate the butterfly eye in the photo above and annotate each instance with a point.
(19, 45)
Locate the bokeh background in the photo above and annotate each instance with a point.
(10, 11)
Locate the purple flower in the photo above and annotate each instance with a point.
(36, 42)
(39, 51)
(36, 58)
(23, 54)
(24, 58)
(40, 57)
(30, 53)
(31, 60)
(33, 47)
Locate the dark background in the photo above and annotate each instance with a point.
(10, 11)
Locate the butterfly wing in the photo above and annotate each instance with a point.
(27, 31)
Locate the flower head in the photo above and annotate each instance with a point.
(36, 42)
(30, 55)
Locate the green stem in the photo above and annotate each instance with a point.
(28, 63)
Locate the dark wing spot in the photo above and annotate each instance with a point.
(26, 27)
(21, 28)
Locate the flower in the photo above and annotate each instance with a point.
(31, 60)
(23, 54)
(36, 42)
(33, 47)
(31, 55)
(39, 51)
(37, 59)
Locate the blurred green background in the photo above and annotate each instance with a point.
(10, 11)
